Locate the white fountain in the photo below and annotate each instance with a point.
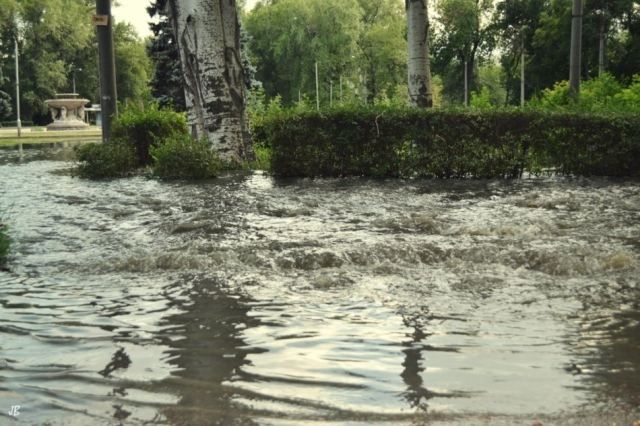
(67, 112)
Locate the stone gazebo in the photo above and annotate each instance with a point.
(67, 112)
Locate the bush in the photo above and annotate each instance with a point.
(448, 143)
(144, 128)
(603, 94)
(5, 244)
(100, 161)
(181, 157)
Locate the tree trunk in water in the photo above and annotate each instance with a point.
(576, 49)
(208, 37)
(420, 94)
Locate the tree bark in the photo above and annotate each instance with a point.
(576, 49)
(420, 94)
(208, 37)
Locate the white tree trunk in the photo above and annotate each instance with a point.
(420, 94)
(208, 37)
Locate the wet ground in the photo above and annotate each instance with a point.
(249, 300)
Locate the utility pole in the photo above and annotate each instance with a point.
(317, 89)
(331, 93)
(575, 58)
(18, 122)
(601, 46)
(108, 94)
(466, 84)
(522, 59)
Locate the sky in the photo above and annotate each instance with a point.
(135, 12)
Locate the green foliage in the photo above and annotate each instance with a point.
(362, 42)
(5, 105)
(150, 136)
(182, 157)
(463, 34)
(481, 99)
(629, 99)
(143, 128)
(133, 67)
(166, 82)
(57, 41)
(603, 94)
(5, 244)
(448, 144)
(103, 161)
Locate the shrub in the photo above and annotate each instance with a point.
(181, 157)
(481, 99)
(100, 161)
(603, 94)
(629, 98)
(5, 244)
(144, 128)
(448, 143)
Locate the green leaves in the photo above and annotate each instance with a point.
(143, 128)
(149, 137)
(5, 245)
(182, 157)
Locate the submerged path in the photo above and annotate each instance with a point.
(258, 301)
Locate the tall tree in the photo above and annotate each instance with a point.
(289, 36)
(382, 51)
(166, 83)
(208, 37)
(516, 22)
(420, 94)
(465, 37)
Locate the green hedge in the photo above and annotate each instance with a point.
(448, 143)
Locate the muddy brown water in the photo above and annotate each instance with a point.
(250, 300)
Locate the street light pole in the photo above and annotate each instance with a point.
(108, 93)
(18, 122)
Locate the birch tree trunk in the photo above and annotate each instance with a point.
(419, 82)
(208, 37)
(601, 47)
(576, 49)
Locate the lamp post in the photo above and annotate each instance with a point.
(73, 77)
(18, 122)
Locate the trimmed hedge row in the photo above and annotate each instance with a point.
(448, 144)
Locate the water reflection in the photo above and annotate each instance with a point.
(207, 350)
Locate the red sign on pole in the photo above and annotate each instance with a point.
(100, 20)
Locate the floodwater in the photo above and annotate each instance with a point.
(250, 300)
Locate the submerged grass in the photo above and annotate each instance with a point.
(5, 245)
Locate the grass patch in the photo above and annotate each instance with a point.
(28, 138)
